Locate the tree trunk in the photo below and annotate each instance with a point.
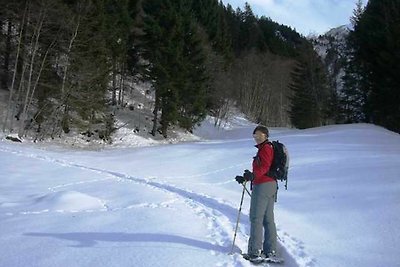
(71, 42)
(34, 49)
(64, 95)
(40, 72)
(155, 112)
(7, 52)
(164, 124)
(15, 71)
(114, 81)
(121, 87)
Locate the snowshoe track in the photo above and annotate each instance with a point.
(221, 217)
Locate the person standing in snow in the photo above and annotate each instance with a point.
(263, 236)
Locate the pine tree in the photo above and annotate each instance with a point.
(353, 98)
(357, 13)
(312, 98)
(207, 14)
(117, 27)
(160, 52)
(376, 42)
(174, 52)
(192, 90)
(304, 111)
(250, 36)
(223, 43)
(88, 78)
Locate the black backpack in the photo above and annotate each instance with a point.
(280, 163)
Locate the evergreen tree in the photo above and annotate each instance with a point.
(223, 39)
(304, 111)
(192, 89)
(174, 53)
(279, 39)
(158, 49)
(357, 13)
(132, 57)
(250, 36)
(233, 23)
(117, 27)
(353, 96)
(312, 98)
(377, 42)
(88, 78)
(207, 14)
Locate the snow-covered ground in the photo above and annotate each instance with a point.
(177, 204)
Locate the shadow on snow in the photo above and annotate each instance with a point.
(91, 239)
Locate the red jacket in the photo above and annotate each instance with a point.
(261, 163)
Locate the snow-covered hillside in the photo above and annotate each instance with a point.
(335, 37)
(133, 123)
(176, 205)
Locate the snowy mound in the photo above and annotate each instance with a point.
(68, 201)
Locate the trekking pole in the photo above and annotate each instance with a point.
(247, 190)
(238, 217)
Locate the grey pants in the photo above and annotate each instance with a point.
(262, 218)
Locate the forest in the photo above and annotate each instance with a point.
(67, 65)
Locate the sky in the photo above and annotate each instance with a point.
(306, 16)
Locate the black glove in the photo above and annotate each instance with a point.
(240, 179)
(248, 175)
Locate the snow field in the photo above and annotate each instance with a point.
(177, 205)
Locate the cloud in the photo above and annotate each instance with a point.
(306, 16)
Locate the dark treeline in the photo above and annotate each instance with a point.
(67, 64)
(372, 81)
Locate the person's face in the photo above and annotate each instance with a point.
(259, 137)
